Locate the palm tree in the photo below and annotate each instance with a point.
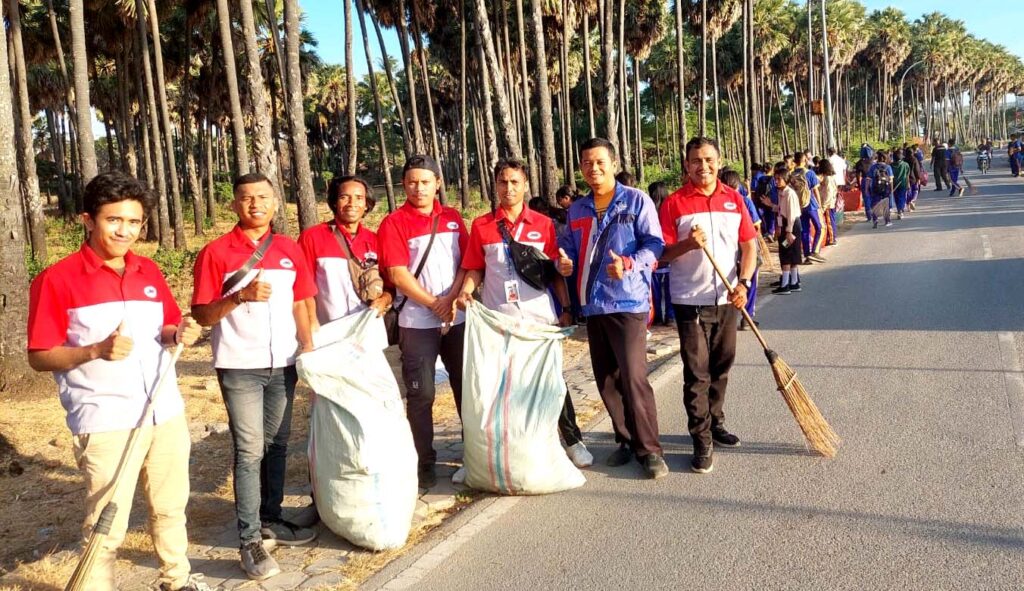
(353, 135)
(231, 77)
(13, 276)
(549, 168)
(83, 108)
(27, 157)
(610, 90)
(535, 182)
(379, 116)
(153, 142)
(266, 162)
(888, 48)
(497, 79)
(296, 112)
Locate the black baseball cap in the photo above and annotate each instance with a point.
(421, 161)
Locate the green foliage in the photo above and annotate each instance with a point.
(222, 191)
(33, 266)
(173, 262)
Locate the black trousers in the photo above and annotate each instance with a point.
(941, 172)
(707, 343)
(618, 355)
(567, 423)
(420, 348)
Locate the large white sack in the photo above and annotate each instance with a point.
(512, 395)
(361, 455)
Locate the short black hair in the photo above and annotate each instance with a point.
(798, 158)
(511, 163)
(565, 191)
(831, 151)
(598, 142)
(113, 187)
(699, 142)
(780, 170)
(658, 191)
(730, 177)
(624, 177)
(251, 179)
(334, 190)
(825, 167)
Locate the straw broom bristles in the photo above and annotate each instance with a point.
(816, 430)
(767, 261)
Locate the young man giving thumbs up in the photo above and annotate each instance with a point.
(613, 236)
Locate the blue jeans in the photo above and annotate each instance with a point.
(808, 218)
(901, 199)
(663, 311)
(259, 403)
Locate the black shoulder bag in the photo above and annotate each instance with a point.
(254, 259)
(391, 316)
(532, 265)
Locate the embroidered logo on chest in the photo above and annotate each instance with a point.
(533, 235)
(729, 205)
(287, 263)
(150, 291)
(453, 225)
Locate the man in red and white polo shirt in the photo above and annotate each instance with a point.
(427, 284)
(99, 319)
(488, 263)
(258, 308)
(350, 199)
(706, 212)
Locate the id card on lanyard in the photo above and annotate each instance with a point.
(511, 290)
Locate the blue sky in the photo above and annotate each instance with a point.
(995, 22)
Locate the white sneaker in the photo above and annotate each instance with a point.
(460, 476)
(579, 455)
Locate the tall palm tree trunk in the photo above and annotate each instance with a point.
(350, 89)
(153, 142)
(187, 140)
(385, 165)
(547, 130)
(306, 195)
(680, 79)
(714, 79)
(498, 80)
(407, 140)
(531, 150)
(435, 148)
(239, 140)
(27, 156)
(410, 79)
(83, 108)
(702, 121)
(463, 115)
(586, 71)
(487, 111)
(608, 50)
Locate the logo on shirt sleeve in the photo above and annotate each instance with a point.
(150, 291)
(287, 263)
(453, 225)
(729, 205)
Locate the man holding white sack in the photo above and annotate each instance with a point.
(488, 262)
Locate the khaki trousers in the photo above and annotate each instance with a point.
(160, 460)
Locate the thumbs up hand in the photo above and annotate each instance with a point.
(257, 291)
(616, 268)
(115, 347)
(564, 264)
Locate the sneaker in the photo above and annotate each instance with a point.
(460, 476)
(782, 290)
(817, 258)
(620, 457)
(257, 564)
(777, 283)
(960, 193)
(195, 583)
(427, 476)
(702, 461)
(723, 437)
(305, 517)
(286, 533)
(888, 224)
(795, 287)
(913, 207)
(580, 455)
(874, 225)
(899, 215)
(655, 466)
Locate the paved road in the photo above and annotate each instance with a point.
(910, 339)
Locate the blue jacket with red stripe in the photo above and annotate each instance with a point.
(631, 229)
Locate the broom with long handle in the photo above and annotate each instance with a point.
(816, 430)
(101, 529)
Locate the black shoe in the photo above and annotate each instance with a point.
(795, 287)
(427, 476)
(808, 261)
(286, 533)
(619, 457)
(775, 283)
(702, 462)
(782, 290)
(723, 437)
(655, 466)
(743, 325)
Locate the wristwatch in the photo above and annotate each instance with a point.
(745, 283)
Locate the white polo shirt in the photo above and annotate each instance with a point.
(255, 335)
(80, 301)
(335, 294)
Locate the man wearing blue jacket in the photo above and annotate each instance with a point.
(614, 237)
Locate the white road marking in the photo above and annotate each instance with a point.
(986, 246)
(1013, 381)
(439, 553)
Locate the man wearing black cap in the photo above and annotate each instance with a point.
(421, 250)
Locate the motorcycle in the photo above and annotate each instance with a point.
(984, 161)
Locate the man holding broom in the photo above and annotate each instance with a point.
(99, 319)
(706, 212)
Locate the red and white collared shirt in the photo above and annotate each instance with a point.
(487, 252)
(723, 216)
(404, 236)
(326, 258)
(80, 301)
(255, 335)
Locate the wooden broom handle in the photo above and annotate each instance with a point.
(731, 288)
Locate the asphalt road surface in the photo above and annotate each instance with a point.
(910, 340)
